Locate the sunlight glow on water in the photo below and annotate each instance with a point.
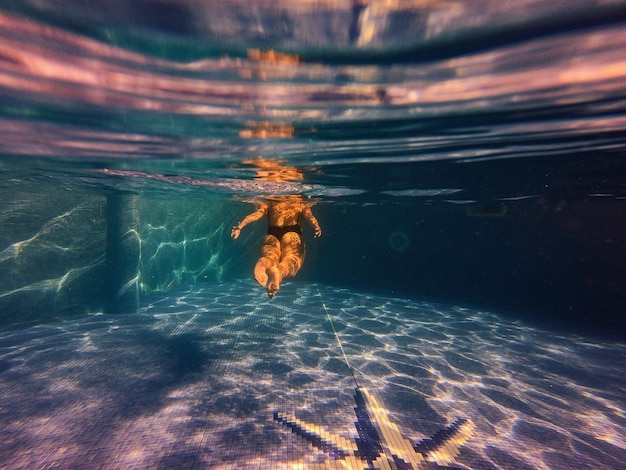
(72, 96)
(458, 149)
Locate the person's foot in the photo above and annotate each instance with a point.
(260, 271)
(274, 280)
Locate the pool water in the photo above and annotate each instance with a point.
(463, 307)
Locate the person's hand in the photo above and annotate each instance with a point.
(318, 232)
(235, 232)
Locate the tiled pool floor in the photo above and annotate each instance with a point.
(203, 377)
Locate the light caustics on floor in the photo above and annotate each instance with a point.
(221, 377)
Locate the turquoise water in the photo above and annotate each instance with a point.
(465, 161)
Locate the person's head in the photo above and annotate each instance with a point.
(285, 198)
(275, 171)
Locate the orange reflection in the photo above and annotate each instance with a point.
(269, 64)
(274, 171)
(273, 57)
(267, 130)
(283, 249)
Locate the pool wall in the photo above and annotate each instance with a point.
(552, 261)
(67, 252)
(52, 252)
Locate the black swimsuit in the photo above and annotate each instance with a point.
(279, 232)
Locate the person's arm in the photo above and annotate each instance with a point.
(310, 218)
(250, 218)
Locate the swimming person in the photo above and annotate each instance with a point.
(283, 250)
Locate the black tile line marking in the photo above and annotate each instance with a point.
(380, 443)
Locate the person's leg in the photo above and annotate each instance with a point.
(291, 259)
(270, 256)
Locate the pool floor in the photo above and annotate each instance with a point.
(220, 376)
